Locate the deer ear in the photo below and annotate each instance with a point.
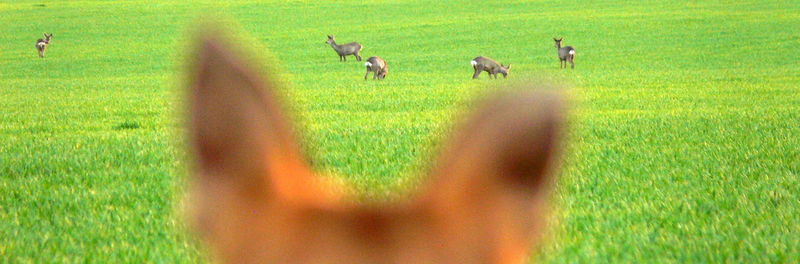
(508, 66)
(508, 146)
(238, 132)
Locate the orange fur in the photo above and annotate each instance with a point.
(256, 201)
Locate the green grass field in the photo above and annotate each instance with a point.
(684, 143)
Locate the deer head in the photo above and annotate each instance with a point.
(255, 200)
(505, 70)
(558, 42)
(331, 39)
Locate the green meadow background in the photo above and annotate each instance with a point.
(684, 140)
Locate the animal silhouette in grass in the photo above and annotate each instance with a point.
(41, 44)
(378, 67)
(565, 54)
(490, 66)
(255, 200)
(352, 48)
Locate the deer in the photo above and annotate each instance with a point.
(378, 67)
(352, 48)
(41, 44)
(481, 63)
(253, 198)
(565, 54)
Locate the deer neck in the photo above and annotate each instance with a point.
(333, 44)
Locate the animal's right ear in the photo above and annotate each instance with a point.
(508, 146)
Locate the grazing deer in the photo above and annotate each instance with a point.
(41, 44)
(565, 54)
(255, 200)
(482, 63)
(378, 66)
(352, 48)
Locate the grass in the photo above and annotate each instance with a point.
(683, 146)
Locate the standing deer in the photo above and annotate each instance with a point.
(491, 66)
(256, 200)
(378, 67)
(41, 44)
(565, 54)
(352, 48)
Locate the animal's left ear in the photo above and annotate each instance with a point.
(509, 66)
(239, 134)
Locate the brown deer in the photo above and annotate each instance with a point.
(255, 199)
(481, 63)
(378, 67)
(41, 44)
(352, 48)
(565, 54)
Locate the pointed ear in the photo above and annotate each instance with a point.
(508, 66)
(508, 146)
(555, 39)
(238, 133)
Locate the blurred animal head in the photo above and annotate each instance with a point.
(331, 39)
(558, 42)
(505, 70)
(255, 200)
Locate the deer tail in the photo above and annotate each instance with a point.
(474, 63)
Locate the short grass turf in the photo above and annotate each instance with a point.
(684, 143)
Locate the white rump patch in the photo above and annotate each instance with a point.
(474, 63)
(40, 44)
(368, 64)
(572, 52)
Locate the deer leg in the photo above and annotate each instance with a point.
(367, 74)
(358, 56)
(477, 72)
(572, 61)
